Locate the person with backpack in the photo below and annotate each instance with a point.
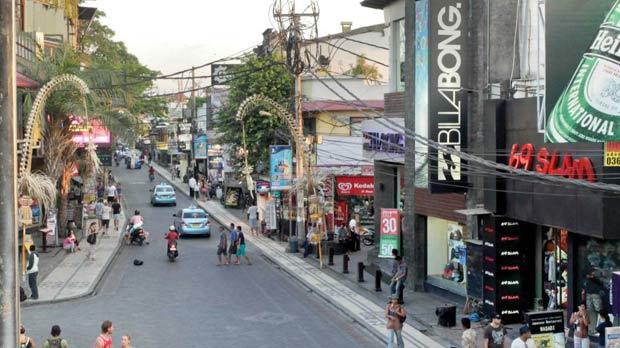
(56, 341)
(395, 314)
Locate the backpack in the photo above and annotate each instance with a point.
(54, 342)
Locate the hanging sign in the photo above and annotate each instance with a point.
(547, 328)
(390, 232)
(200, 147)
(281, 160)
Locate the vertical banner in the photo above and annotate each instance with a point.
(281, 166)
(200, 147)
(270, 215)
(390, 232)
(341, 214)
(447, 117)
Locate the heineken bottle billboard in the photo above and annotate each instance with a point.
(588, 108)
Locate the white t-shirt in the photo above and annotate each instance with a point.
(192, 183)
(111, 191)
(105, 212)
(518, 343)
(353, 225)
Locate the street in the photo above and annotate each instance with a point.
(193, 303)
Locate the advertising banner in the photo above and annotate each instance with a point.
(200, 147)
(582, 42)
(547, 328)
(390, 232)
(355, 185)
(612, 154)
(221, 74)
(281, 160)
(94, 130)
(612, 337)
(341, 213)
(270, 215)
(447, 114)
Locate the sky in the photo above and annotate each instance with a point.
(169, 36)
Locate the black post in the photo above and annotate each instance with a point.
(378, 276)
(330, 260)
(345, 264)
(9, 314)
(360, 272)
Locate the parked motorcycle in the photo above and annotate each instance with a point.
(173, 251)
(368, 237)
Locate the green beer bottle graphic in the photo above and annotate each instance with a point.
(589, 108)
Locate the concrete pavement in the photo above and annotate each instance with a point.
(361, 309)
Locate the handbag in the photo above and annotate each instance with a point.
(91, 239)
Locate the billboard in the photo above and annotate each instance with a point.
(390, 232)
(447, 104)
(94, 130)
(355, 186)
(583, 71)
(200, 147)
(281, 167)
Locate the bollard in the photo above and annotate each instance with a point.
(330, 261)
(378, 276)
(345, 264)
(360, 272)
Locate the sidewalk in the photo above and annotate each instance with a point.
(365, 311)
(74, 276)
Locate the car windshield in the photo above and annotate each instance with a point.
(164, 190)
(194, 215)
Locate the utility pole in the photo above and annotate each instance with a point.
(193, 128)
(9, 304)
(413, 239)
(299, 152)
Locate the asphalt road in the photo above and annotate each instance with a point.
(193, 302)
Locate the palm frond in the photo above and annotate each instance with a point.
(39, 186)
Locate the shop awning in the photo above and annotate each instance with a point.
(473, 211)
(25, 82)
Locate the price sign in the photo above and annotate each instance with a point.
(390, 232)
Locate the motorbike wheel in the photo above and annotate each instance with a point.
(368, 241)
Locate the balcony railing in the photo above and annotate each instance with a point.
(26, 46)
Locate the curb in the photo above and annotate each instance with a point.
(93, 288)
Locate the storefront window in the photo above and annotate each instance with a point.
(446, 257)
(597, 260)
(555, 269)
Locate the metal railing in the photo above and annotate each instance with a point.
(26, 46)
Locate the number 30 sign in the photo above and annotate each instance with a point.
(390, 232)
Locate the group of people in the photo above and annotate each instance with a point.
(103, 340)
(349, 236)
(203, 189)
(231, 246)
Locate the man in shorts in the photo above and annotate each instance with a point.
(98, 210)
(116, 212)
(222, 246)
(106, 214)
(241, 247)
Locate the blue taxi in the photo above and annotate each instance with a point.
(163, 194)
(192, 221)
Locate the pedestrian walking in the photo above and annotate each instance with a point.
(495, 333)
(98, 210)
(232, 249)
(177, 170)
(469, 336)
(192, 187)
(119, 191)
(106, 214)
(32, 269)
(24, 340)
(116, 212)
(55, 341)
(126, 341)
(253, 219)
(219, 193)
(91, 239)
(111, 192)
(222, 247)
(581, 320)
(398, 280)
(104, 340)
(354, 234)
(241, 247)
(524, 340)
(203, 189)
(395, 314)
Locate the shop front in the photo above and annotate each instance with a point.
(572, 231)
(354, 200)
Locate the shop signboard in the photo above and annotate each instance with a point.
(390, 232)
(612, 337)
(355, 186)
(447, 116)
(221, 74)
(52, 236)
(200, 147)
(547, 328)
(281, 160)
(270, 215)
(581, 39)
(612, 154)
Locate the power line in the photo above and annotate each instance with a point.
(353, 53)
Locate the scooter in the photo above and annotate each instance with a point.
(368, 238)
(137, 235)
(173, 251)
